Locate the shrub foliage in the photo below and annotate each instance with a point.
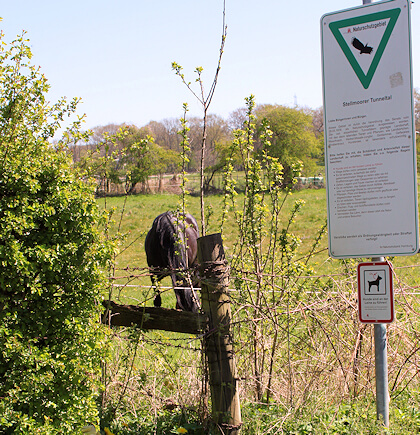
(50, 256)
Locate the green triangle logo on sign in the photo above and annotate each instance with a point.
(391, 15)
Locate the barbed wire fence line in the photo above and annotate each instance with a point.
(321, 352)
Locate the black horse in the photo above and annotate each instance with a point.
(171, 248)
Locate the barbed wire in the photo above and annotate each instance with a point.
(280, 290)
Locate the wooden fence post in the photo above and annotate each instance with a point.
(214, 272)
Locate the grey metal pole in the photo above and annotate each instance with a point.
(381, 358)
(381, 368)
(381, 371)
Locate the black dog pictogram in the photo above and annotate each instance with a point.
(375, 283)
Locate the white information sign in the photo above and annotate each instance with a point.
(370, 151)
(375, 292)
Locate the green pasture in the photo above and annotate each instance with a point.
(132, 216)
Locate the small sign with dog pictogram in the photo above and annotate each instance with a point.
(375, 292)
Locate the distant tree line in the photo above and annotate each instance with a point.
(129, 154)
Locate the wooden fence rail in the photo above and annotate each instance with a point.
(154, 318)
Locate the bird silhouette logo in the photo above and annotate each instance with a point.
(359, 46)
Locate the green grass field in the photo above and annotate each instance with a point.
(133, 215)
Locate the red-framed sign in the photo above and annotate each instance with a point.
(375, 292)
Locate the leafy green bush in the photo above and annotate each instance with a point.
(51, 255)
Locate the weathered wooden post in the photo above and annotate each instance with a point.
(214, 272)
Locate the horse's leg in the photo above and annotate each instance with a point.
(186, 296)
(179, 293)
(195, 302)
(157, 301)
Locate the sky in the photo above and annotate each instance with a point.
(117, 55)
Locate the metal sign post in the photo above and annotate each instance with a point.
(381, 372)
(381, 360)
(370, 154)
